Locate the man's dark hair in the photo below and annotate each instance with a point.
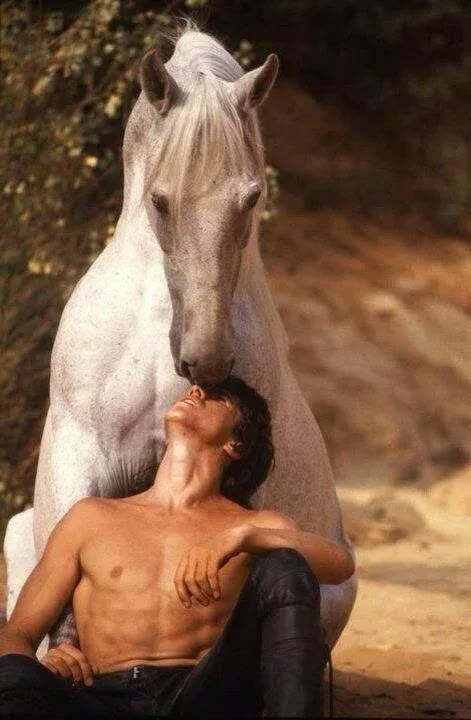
(254, 437)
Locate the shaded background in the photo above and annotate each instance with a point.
(366, 244)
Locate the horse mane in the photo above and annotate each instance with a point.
(204, 133)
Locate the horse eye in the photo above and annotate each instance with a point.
(160, 203)
(252, 200)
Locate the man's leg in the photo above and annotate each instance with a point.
(28, 690)
(270, 655)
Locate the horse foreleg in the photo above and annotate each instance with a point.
(69, 465)
(20, 555)
(20, 558)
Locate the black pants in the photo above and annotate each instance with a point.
(268, 659)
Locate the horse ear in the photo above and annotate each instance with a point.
(253, 88)
(159, 86)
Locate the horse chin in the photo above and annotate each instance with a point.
(179, 371)
(210, 378)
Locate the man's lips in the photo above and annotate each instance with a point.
(189, 401)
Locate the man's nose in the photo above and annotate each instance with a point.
(198, 390)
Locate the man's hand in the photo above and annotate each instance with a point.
(69, 662)
(197, 572)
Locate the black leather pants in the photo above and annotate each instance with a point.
(269, 660)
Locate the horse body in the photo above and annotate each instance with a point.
(117, 364)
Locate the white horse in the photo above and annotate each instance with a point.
(179, 294)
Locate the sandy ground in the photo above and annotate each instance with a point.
(406, 651)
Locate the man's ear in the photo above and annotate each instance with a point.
(252, 89)
(234, 449)
(158, 85)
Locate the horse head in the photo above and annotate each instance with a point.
(203, 191)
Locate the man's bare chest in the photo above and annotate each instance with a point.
(136, 554)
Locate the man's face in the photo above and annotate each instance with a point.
(212, 418)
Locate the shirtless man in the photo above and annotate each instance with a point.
(187, 601)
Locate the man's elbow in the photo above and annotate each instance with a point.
(341, 567)
(346, 567)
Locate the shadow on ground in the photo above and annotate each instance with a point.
(358, 696)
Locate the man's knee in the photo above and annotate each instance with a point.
(18, 671)
(29, 690)
(283, 577)
(281, 561)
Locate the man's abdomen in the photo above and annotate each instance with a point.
(142, 620)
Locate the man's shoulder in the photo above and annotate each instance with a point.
(89, 502)
(272, 519)
(87, 506)
(72, 527)
(76, 522)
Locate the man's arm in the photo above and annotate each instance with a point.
(330, 562)
(197, 573)
(48, 588)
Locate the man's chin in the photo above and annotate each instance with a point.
(173, 414)
(179, 413)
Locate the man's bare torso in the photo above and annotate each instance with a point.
(126, 606)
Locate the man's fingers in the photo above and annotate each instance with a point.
(179, 582)
(72, 663)
(195, 591)
(202, 576)
(69, 661)
(77, 655)
(60, 666)
(50, 666)
(197, 576)
(191, 583)
(213, 576)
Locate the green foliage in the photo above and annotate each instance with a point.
(65, 100)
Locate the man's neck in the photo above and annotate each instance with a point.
(188, 477)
